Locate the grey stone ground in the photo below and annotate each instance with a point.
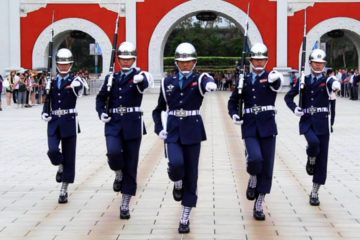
(28, 191)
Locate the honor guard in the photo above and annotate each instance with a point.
(314, 118)
(258, 126)
(181, 127)
(60, 113)
(118, 105)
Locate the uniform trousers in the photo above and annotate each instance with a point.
(124, 155)
(260, 161)
(318, 146)
(183, 165)
(66, 157)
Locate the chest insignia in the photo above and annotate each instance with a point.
(169, 88)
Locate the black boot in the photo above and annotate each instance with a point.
(314, 200)
(117, 185)
(177, 194)
(63, 198)
(184, 228)
(310, 168)
(124, 214)
(250, 192)
(258, 214)
(58, 176)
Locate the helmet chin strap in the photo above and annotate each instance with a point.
(64, 72)
(185, 73)
(317, 72)
(258, 68)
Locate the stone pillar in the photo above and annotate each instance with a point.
(10, 37)
(282, 40)
(131, 21)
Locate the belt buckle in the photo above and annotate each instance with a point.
(312, 110)
(256, 109)
(122, 110)
(180, 113)
(57, 112)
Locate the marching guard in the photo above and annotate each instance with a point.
(118, 105)
(182, 128)
(258, 124)
(314, 118)
(60, 113)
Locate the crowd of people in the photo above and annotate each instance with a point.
(26, 88)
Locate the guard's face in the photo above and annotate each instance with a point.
(186, 66)
(258, 64)
(126, 63)
(64, 68)
(317, 66)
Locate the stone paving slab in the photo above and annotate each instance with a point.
(28, 191)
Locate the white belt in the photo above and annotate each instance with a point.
(122, 110)
(256, 109)
(312, 110)
(184, 113)
(61, 112)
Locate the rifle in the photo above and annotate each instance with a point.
(242, 65)
(302, 67)
(49, 70)
(112, 62)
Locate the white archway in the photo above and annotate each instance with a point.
(349, 24)
(189, 8)
(40, 51)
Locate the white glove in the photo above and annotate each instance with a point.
(336, 86)
(105, 118)
(236, 119)
(163, 134)
(75, 84)
(210, 86)
(138, 78)
(274, 76)
(46, 117)
(298, 112)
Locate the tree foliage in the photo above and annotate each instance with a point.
(209, 38)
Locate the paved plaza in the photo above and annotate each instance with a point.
(28, 191)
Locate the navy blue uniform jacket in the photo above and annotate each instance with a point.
(315, 95)
(261, 93)
(63, 98)
(190, 129)
(124, 93)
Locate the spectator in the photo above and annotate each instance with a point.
(21, 96)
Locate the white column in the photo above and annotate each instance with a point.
(281, 33)
(131, 21)
(4, 39)
(10, 34)
(282, 39)
(14, 33)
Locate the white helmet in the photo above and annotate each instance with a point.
(258, 51)
(185, 52)
(64, 56)
(317, 55)
(127, 50)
